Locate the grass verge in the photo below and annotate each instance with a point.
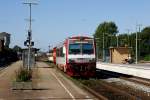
(23, 75)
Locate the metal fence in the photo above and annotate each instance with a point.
(25, 58)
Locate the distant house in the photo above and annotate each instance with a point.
(4, 39)
(119, 54)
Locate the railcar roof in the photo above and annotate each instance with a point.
(73, 37)
(78, 37)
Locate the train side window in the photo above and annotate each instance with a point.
(61, 52)
(57, 52)
(64, 50)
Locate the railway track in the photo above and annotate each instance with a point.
(128, 83)
(138, 80)
(110, 90)
(134, 79)
(106, 91)
(2, 68)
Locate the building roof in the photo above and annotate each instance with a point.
(120, 48)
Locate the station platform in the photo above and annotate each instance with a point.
(48, 83)
(138, 70)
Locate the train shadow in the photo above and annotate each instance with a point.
(4, 65)
(103, 74)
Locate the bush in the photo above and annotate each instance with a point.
(23, 75)
(147, 58)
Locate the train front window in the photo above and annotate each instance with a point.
(87, 48)
(74, 48)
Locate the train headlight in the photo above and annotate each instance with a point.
(92, 60)
(71, 61)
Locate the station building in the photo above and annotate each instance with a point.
(119, 54)
(4, 40)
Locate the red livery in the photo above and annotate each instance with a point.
(76, 56)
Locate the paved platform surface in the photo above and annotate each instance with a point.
(50, 84)
(139, 70)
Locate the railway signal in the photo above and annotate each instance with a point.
(29, 43)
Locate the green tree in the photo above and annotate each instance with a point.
(145, 42)
(109, 30)
(17, 48)
(107, 27)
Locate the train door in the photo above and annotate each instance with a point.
(64, 54)
(54, 55)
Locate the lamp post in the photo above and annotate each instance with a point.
(97, 48)
(117, 40)
(29, 38)
(103, 46)
(128, 33)
(49, 47)
(139, 25)
(136, 48)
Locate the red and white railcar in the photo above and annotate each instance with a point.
(76, 56)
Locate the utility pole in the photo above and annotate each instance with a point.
(138, 25)
(128, 32)
(117, 40)
(139, 39)
(110, 40)
(103, 46)
(97, 47)
(49, 47)
(29, 38)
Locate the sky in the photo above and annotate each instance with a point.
(55, 20)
